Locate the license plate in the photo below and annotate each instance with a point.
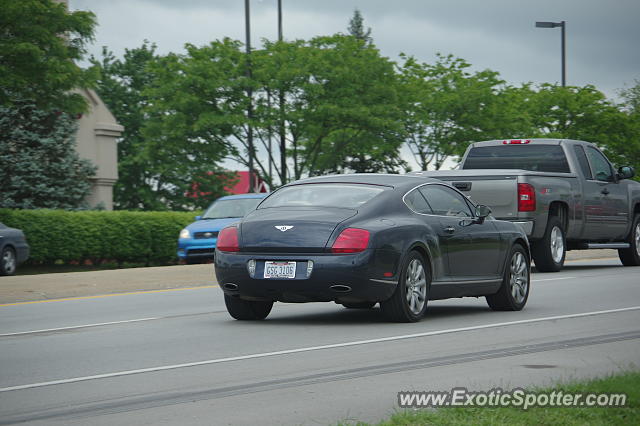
(279, 269)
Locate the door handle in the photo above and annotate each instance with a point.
(449, 229)
(605, 191)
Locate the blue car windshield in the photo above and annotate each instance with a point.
(231, 208)
(343, 195)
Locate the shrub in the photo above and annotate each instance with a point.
(123, 236)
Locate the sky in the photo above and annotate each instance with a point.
(602, 36)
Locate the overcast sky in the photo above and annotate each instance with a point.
(603, 36)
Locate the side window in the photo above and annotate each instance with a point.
(601, 167)
(417, 203)
(582, 160)
(445, 201)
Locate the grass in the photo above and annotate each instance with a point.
(628, 383)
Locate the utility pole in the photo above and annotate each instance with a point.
(283, 136)
(247, 19)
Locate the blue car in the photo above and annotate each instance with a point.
(197, 241)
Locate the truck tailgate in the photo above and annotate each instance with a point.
(498, 191)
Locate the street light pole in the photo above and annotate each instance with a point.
(563, 25)
(247, 19)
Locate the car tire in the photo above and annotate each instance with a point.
(631, 256)
(514, 291)
(549, 253)
(359, 305)
(409, 300)
(246, 309)
(8, 261)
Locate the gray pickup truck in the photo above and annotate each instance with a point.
(564, 193)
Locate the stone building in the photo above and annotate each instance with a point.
(96, 140)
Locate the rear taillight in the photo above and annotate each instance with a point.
(526, 198)
(351, 240)
(228, 239)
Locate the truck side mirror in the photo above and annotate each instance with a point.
(198, 217)
(626, 172)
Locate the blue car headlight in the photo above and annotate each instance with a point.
(185, 233)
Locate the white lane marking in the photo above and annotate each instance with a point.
(553, 279)
(18, 333)
(309, 349)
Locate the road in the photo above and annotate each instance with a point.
(176, 357)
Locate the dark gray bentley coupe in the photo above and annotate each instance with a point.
(363, 239)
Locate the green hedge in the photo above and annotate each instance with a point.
(121, 236)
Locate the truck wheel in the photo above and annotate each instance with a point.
(247, 309)
(409, 301)
(550, 251)
(8, 261)
(514, 291)
(631, 256)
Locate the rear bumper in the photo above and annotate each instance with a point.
(340, 278)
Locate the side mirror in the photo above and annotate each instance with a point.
(626, 172)
(481, 214)
(482, 211)
(198, 217)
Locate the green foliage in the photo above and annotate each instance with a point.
(342, 112)
(123, 236)
(39, 42)
(584, 113)
(196, 103)
(40, 167)
(626, 149)
(340, 107)
(356, 28)
(627, 383)
(446, 107)
(121, 86)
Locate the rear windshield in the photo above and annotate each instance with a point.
(538, 158)
(323, 195)
(231, 208)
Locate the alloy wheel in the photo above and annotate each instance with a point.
(9, 262)
(416, 286)
(557, 244)
(519, 277)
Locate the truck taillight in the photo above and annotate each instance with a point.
(351, 240)
(526, 198)
(228, 239)
(516, 142)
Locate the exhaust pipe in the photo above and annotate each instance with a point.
(339, 288)
(230, 286)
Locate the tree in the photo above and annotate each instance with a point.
(349, 119)
(40, 167)
(121, 85)
(195, 113)
(341, 110)
(356, 28)
(446, 107)
(39, 42)
(340, 107)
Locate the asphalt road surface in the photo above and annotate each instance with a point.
(176, 357)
